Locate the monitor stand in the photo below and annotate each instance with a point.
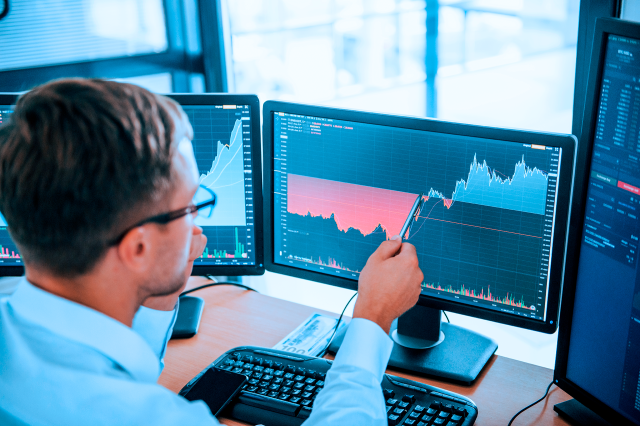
(577, 414)
(425, 345)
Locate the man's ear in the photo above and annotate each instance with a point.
(135, 250)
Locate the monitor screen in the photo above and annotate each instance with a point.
(227, 149)
(599, 345)
(488, 228)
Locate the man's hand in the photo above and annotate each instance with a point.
(389, 284)
(168, 302)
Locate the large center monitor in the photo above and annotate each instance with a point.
(598, 359)
(228, 154)
(490, 235)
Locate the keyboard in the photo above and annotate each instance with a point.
(282, 387)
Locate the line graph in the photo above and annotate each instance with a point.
(484, 229)
(226, 180)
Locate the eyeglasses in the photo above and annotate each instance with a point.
(203, 202)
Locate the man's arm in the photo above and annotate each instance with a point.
(389, 285)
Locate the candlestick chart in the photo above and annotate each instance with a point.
(482, 232)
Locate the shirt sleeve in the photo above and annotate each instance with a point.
(155, 327)
(352, 393)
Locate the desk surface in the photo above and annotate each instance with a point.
(234, 317)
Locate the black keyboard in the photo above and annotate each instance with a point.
(283, 386)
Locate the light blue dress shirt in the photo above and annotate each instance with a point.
(62, 363)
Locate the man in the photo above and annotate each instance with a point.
(96, 184)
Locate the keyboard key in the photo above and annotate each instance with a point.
(312, 374)
(277, 381)
(229, 361)
(289, 376)
(320, 383)
(270, 404)
(289, 369)
(435, 405)
(263, 384)
(307, 395)
(296, 392)
(267, 377)
(398, 412)
(298, 385)
(257, 375)
(268, 371)
(284, 396)
(456, 418)
(285, 389)
(304, 412)
(452, 423)
(252, 388)
(227, 368)
(409, 398)
(414, 415)
(316, 390)
(301, 371)
(274, 387)
(409, 422)
(427, 418)
(258, 368)
(388, 393)
(248, 367)
(268, 364)
(322, 376)
(237, 370)
(459, 411)
(403, 404)
(253, 381)
(393, 419)
(258, 361)
(439, 421)
(432, 411)
(247, 373)
(418, 408)
(289, 383)
(294, 399)
(306, 402)
(278, 366)
(309, 388)
(272, 394)
(262, 391)
(238, 364)
(421, 424)
(299, 378)
(443, 415)
(278, 373)
(392, 402)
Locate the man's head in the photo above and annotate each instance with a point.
(83, 160)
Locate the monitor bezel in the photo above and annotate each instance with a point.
(566, 142)
(211, 99)
(604, 27)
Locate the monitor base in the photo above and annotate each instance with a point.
(577, 414)
(459, 357)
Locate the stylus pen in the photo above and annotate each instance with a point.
(412, 215)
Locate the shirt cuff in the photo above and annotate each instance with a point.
(155, 327)
(365, 346)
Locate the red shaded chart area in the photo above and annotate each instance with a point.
(353, 206)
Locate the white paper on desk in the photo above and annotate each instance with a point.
(311, 337)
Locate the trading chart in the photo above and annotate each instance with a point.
(221, 134)
(483, 233)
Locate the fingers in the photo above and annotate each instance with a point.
(387, 249)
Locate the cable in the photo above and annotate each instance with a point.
(191, 290)
(446, 316)
(5, 12)
(335, 329)
(531, 405)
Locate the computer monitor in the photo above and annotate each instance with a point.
(598, 357)
(490, 236)
(228, 154)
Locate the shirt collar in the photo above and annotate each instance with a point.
(89, 327)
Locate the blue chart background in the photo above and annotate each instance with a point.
(212, 129)
(451, 253)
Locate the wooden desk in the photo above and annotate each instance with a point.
(234, 317)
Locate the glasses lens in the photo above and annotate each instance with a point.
(205, 212)
(204, 195)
